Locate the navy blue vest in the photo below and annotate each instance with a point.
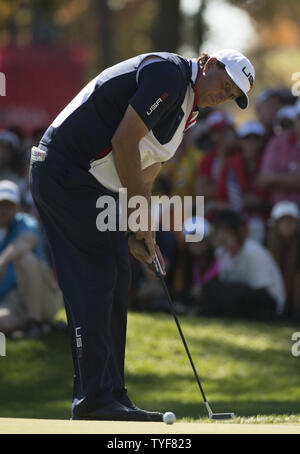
(86, 126)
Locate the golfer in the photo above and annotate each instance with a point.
(115, 134)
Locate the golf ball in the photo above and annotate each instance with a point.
(169, 417)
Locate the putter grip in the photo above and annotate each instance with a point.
(155, 265)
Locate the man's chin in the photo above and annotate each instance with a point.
(204, 104)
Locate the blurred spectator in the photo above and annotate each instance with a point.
(180, 171)
(146, 293)
(195, 262)
(267, 104)
(280, 169)
(287, 97)
(237, 187)
(29, 295)
(284, 119)
(37, 135)
(249, 283)
(20, 135)
(27, 203)
(9, 156)
(202, 138)
(284, 244)
(177, 177)
(224, 138)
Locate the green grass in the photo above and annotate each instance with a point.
(245, 367)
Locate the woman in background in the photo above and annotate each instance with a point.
(284, 244)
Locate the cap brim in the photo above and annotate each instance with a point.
(242, 101)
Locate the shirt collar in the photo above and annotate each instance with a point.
(194, 67)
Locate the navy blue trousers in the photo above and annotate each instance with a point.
(93, 272)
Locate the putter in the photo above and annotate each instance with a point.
(159, 273)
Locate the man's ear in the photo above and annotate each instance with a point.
(210, 64)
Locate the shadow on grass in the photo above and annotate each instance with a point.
(36, 382)
(197, 409)
(36, 378)
(153, 392)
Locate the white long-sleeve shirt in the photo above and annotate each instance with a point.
(254, 266)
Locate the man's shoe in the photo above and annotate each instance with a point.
(116, 412)
(155, 416)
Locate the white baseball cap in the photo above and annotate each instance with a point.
(266, 94)
(285, 208)
(288, 112)
(9, 191)
(251, 127)
(240, 70)
(219, 119)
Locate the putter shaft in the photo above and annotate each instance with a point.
(156, 267)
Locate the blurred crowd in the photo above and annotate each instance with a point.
(246, 266)
(29, 294)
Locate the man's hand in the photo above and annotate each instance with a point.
(138, 250)
(267, 180)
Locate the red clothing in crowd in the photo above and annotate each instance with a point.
(209, 166)
(235, 181)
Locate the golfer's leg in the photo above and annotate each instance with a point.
(119, 314)
(88, 294)
(86, 274)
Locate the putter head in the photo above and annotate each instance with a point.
(221, 416)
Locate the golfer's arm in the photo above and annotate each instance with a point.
(16, 249)
(126, 154)
(149, 174)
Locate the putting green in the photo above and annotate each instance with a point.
(56, 426)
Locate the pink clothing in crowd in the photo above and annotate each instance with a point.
(282, 155)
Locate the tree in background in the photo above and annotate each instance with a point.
(277, 21)
(113, 30)
(110, 30)
(276, 52)
(166, 27)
